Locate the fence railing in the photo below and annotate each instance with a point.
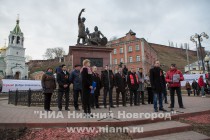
(32, 98)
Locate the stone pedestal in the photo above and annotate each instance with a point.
(99, 56)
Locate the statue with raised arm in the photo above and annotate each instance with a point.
(95, 39)
(82, 34)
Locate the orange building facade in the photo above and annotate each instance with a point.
(132, 52)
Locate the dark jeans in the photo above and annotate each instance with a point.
(158, 97)
(47, 100)
(123, 97)
(140, 94)
(60, 97)
(150, 95)
(106, 90)
(195, 91)
(179, 96)
(188, 92)
(76, 96)
(133, 93)
(94, 100)
(86, 100)
(165, 95)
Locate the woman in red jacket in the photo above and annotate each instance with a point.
(201, 85)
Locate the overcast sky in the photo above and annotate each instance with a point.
(53, 23)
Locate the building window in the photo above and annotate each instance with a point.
(130, 59)
(121, 50)
(194, 68)
(137, 48)
(115, 61)
(130, 49)
(121, 60)
(137, 58)
(115, 51)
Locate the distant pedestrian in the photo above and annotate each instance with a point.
(48, 85)
(1, 83)
(188, 88)
(195, 88)
(201, 85)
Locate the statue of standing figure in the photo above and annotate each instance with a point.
(82, 34)
(87, 37)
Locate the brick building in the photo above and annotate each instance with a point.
(132, 51)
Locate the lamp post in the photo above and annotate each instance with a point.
(199, 37)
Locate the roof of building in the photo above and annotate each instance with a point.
(17, 29)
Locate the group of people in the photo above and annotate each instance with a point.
(124, 81)
(197, 87)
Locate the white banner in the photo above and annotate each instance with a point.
(191, 77)
(21, 85)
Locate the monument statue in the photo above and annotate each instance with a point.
(82, 34)
(87, 37)
(94, 38)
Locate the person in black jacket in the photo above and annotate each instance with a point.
(195, 87)
(86, 74)
(95, 96)
(120, 84)
(157, 80)
(133, 85)
(107, 80)
(75, 78)
(64, 83)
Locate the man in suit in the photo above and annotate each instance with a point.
(64, 83)
(120, 84)
(107, 79)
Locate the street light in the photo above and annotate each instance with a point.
(199, 37)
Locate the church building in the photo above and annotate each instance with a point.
(12, 57)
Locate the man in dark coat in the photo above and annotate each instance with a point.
(64, 83)
(75, 78)
(133, 85)
(157, 80)
(107, 80)
(120, 84)
(95, 96)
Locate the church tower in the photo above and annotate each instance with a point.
(15, 55)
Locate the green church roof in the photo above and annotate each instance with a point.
(17, 29)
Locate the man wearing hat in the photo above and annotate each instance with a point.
(75, 79)
(174, 77)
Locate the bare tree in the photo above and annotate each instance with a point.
(52, 53)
